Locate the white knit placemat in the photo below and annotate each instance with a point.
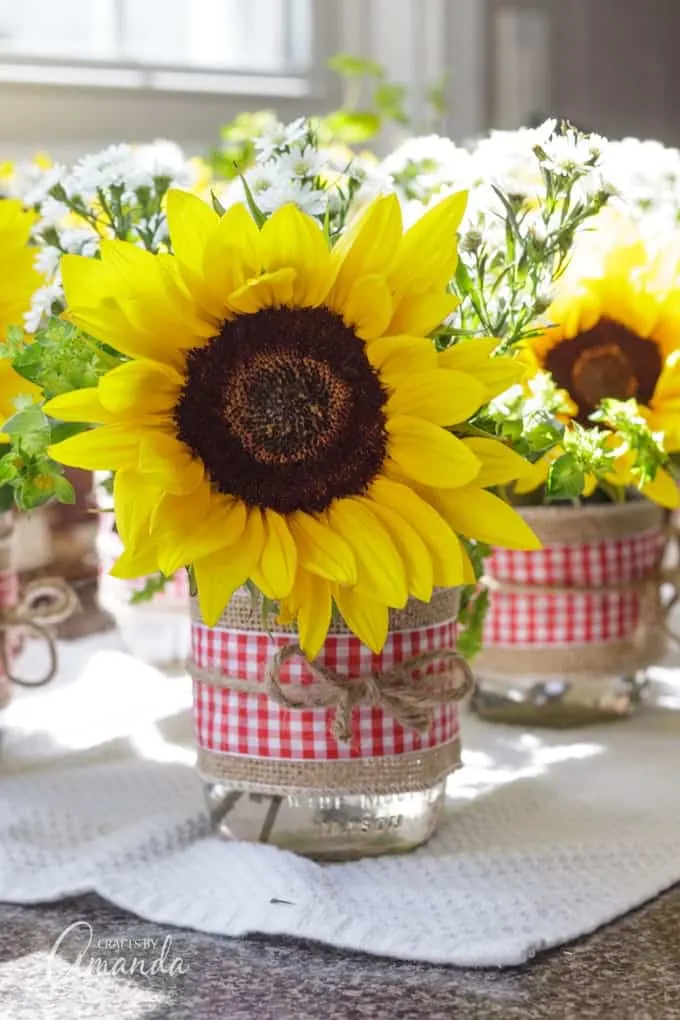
(546, 837)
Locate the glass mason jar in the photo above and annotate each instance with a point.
(573, 627)
(296, 757)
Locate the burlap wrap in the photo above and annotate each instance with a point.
(371, 775)
(559, 526)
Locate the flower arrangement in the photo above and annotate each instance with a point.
(325, 380)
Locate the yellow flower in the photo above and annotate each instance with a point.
(282, 415)
(18, 279)
(617, 328)
(662, 490)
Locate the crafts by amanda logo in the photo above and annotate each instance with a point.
(79, 953)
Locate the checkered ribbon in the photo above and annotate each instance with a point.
(253, 725)
(607, 602)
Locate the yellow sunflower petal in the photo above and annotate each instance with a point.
(469, 576)
(368, 306)
(278, 562)
(380, 568)
(200, 526)
(474, 356)
(423, 313)
(79, 405)
(221, 573)
(312, 597)
(663, 490)
(107, 323)
(440, 396)
(441, 542)
(140, 388)
(107, 448)
(290, 239)
(367, 247)
(169, 462)
(364, 616)
(321, 550)
(399, 355)
(479, 514)
(232, 255)
(134, 563)
(428, 454)
(191, 223)
(412, 549)
(428, 253)
(133, 497)
(500, 464)
(267, 291)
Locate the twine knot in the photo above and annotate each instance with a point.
(44, 603)
(411, 699)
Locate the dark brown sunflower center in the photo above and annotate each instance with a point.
(285, 410)
(608, 360)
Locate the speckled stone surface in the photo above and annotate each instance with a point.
(627, 971)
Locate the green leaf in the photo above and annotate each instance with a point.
(6, 498)
(255, 211)
(30, 420)
(153, 585)
(63, 490)
(566, 479)
(389, 99)
(216, 204)
(353, 126)
(347, 66)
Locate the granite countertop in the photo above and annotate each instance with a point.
(627, 971)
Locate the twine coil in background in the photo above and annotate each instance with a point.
(42, 605)
(573, 540)
(407, 693)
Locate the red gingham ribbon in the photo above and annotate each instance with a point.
(581, 617)
(252, 725)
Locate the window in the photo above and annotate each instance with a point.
(203, 44)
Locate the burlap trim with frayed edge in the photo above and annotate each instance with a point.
(405, 773)
(242, 614)
(560, 525)
(577, 662)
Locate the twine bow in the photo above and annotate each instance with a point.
(411, 703)
(44, 603)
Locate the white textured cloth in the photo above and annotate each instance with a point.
(546, 837)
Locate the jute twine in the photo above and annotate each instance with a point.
(410, 698)
(580, 526)
(43, 604)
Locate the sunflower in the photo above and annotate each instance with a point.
(19, 280)
(281, 417)
(617, 328)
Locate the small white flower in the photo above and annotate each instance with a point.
(43, 302)
(278, 136)
(300, 163)
(42, 185)
(47, 260)
(52, 214)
